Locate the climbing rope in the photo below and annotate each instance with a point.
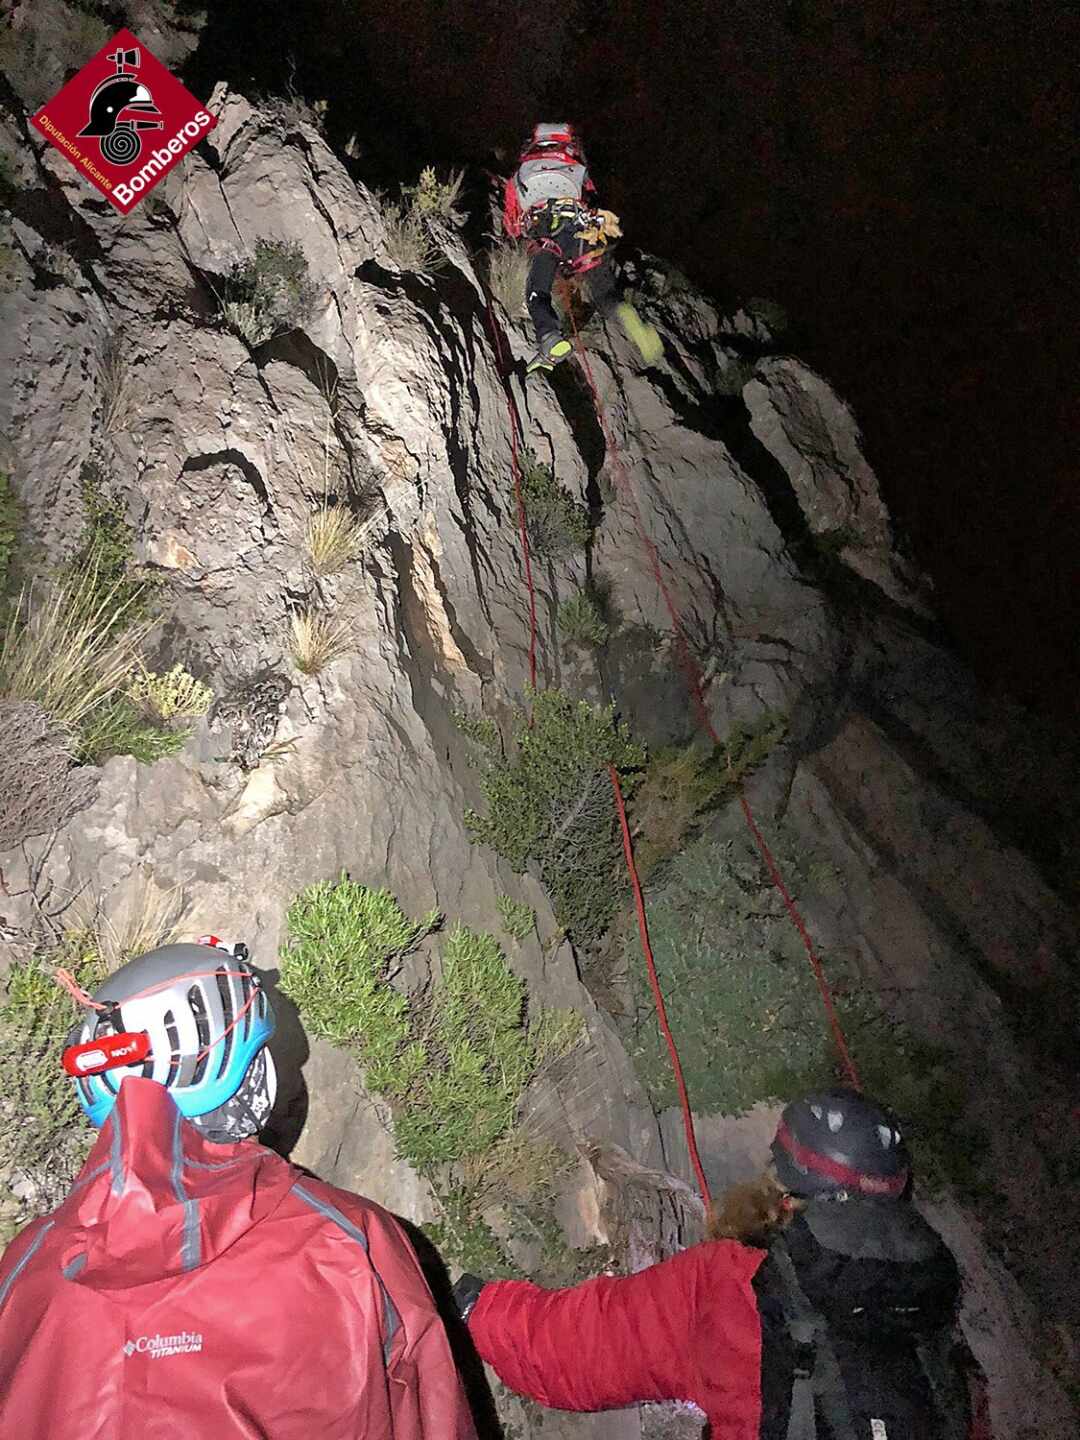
(694, 679)
(628, 848)
(658, 996)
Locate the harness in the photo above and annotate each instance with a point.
(817, 1371)
(593, 228)
(818, 1384)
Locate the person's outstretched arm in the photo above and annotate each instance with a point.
(686, 1329)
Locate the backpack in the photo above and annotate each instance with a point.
(892, 1368)
(550, 167)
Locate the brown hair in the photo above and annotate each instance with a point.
(751, 1212)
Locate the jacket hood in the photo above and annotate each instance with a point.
(156, 1199)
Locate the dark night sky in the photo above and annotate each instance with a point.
(901, 175)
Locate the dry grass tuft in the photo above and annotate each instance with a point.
(316, 638)
(334, 537)
(145, 918)
(73, 653)
(114, 381)
(507, 267)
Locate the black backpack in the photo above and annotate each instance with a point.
(858, 1304)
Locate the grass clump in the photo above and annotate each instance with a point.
(518, 919)
(43, 1141)
(316, 638)
(582, 619)
(269, 292)
(453, 1058)
(550, 802)
(334, 537)
(556, 522)
(507, 268)
(408, 221)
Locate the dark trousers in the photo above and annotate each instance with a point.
(546, 265)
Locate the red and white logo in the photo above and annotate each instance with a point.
(124, 121)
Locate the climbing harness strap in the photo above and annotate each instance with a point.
(818, 1383)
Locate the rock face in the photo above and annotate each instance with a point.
(390, 399)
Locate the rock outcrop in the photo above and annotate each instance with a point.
(390, 397)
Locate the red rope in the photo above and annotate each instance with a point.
(694, 679)
(658, 998)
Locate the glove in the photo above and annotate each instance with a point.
(466, 1293)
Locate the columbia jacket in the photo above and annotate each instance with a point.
(686, 1329)
(212, 1292)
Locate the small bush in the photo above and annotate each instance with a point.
(551, 802)
(268, 293)
(453, 1059)
(436, 198)
(317, 638)
(334, 538)
(507, 269)
(683, 784)
(39, 790)
(746, 1011)
(9, 528)
(556, 522)
(519, 919)
(104, 556)
(581, 620)
(174, 695)
(43, 1138)
(121, 727)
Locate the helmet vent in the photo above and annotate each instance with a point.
(173, 1034)
(228, 1010)
(202, 1028)
(246, 985)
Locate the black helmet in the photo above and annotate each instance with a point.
(835, 1143)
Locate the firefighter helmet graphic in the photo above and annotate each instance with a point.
(117, 96)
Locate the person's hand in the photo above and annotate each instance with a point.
(466, 1293)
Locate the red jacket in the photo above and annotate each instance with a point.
(687, 1329)
(212, 1292)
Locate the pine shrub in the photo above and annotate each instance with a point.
(269, 292)
(557, 524)
(550, 801)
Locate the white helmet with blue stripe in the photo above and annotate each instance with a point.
(207, 1019)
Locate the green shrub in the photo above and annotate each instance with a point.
(582, 620)
(518, 918)
(9, 529)
(551, 802)
(268, 293)
(344, 941)
(746, 1011)
(557, 524)
(43, 1139)
(453, 1059)
(436, 198)
(121, 727)
(105, 552)
(682, 784)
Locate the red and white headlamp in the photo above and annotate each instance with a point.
(108, 1052)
